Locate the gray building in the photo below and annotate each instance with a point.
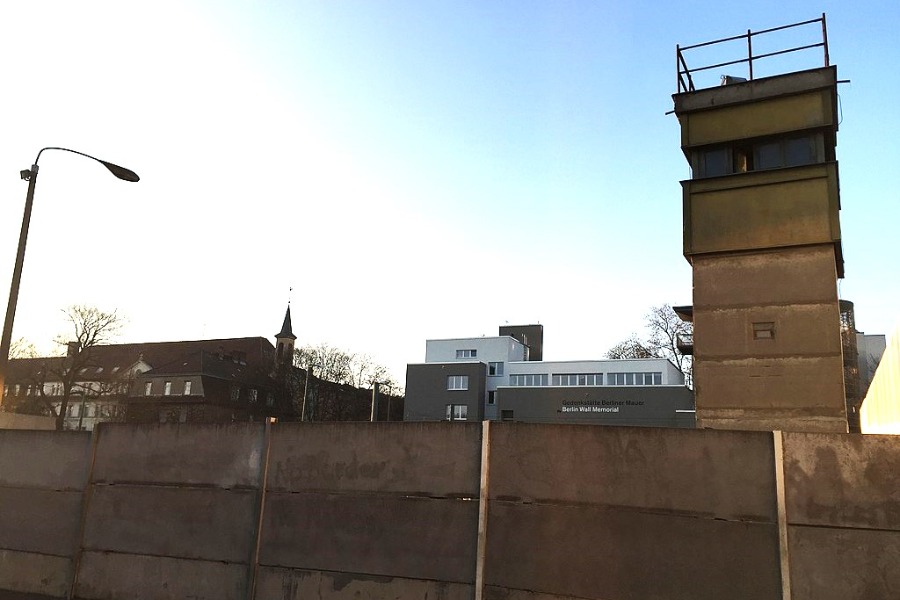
(503, 378)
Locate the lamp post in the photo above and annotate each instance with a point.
(30, 175)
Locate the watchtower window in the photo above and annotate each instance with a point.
(744, 157)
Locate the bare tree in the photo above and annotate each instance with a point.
(91, 327)
(334, 383)
(22, 348)
(633, 347)
(338, 366)
(664, 328)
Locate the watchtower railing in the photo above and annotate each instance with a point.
(686, 82)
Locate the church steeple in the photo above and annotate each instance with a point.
(284, 339)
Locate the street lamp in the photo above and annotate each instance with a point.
(30, 175)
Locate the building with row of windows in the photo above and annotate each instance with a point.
(504, 378)
(217, 380)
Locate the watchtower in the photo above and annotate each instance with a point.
(762, 233)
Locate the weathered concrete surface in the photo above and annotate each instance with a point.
(435, 459)
(37, 520)
(29, 573)
(296, 584)
(17, 421)
(421, 538)
(765, 278)
(222, 455)
(844, 564)
(110, 575)
(203, 523)
(788, 383)
(602, 553)
(45, 459)
(492, 592)
(802, 329)
(721, 474)
(843, 481)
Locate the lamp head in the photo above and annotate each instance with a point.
(120, 172)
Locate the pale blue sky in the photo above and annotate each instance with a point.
(412, 169)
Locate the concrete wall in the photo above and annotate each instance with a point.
(447, 510)
(792, 380)
(16, 421)
(388, 507)
(172, 512)
(631, 513)
(42, 481)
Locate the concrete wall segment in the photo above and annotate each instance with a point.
(420, 538)
(429, 459)
(33, 575)
(844, 564)
(710, 473)
(44, 459)
(843, 481)
(611, 554)
(226, 456)
(767, 277)
(108, 575)
(197, 523)
(805, 329)
(297, 584)
(42, 521)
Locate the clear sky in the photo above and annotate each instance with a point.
(412, 169)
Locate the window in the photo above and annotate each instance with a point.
(506, 415)
(495, 368)
(457, 412)
(148, 387)
(252, 396)
(765, 154)
(652, 378)
(458, 382)
(187, 388)
(235, 393)
(565, 379)
(492, 397)
(529, 380)
(167, 389)
(468, 353)
(764, 331)
(715, 162)
(270, 399)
